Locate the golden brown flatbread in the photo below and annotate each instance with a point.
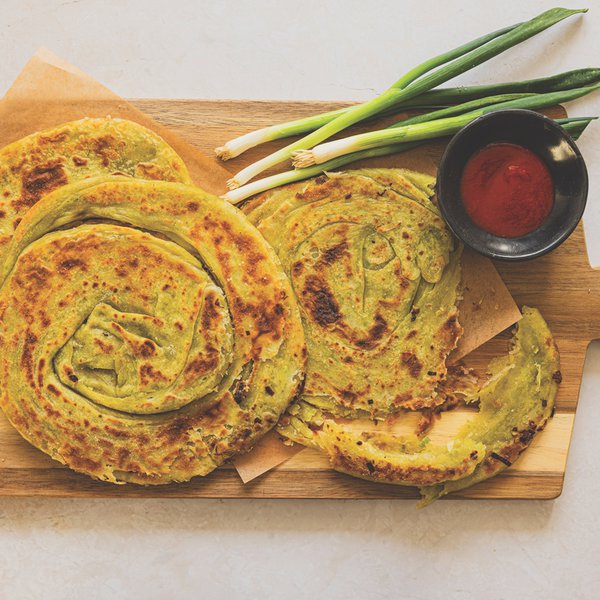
(148, 347)
(376, 273)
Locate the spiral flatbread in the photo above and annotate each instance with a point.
(376, 274)
(149, 348)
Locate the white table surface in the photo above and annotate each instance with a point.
(54, 548)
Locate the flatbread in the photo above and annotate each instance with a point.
(376, 273)
(148, 347)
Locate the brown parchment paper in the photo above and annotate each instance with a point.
(487, 308)
(50, 91)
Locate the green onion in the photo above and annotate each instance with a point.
(454, 95)
(267, 183)
(574, 126)
(459, 109)
(439, 97)
(418, 80)
(428, 129)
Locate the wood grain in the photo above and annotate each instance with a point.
(562, 285)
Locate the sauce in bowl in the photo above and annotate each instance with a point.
(507, 190)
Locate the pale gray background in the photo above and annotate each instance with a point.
(305, 549)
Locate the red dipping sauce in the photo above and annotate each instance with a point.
(507, 190)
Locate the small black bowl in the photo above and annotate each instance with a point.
(552, 144)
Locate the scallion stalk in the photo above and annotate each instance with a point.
(442, 97)
(267, 183)
(574, 126)
(417, 80)
(240, 144)
(459, 109)
(428, 129)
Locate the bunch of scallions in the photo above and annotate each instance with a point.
(450, 109)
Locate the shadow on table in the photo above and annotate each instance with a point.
(397, 518)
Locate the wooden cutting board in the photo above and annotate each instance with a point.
(562, 285)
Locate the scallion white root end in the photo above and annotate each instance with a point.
(233, 183)
(235, 196)
(302, 159)
(329, 150)
(223, 152)
(268, 183)
(240, 144)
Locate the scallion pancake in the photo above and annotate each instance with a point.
(376, 273)
(147, 331)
